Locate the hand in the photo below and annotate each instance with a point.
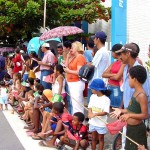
(41, 108)
(141, 147)
(91, 115)
(40, 62)
(66, 69)
(116, 113)
(124, 117)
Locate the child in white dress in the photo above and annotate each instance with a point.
(3, 96)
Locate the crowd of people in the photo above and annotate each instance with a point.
(49, 95)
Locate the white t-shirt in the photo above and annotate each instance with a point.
(101, 62)
(99, 104)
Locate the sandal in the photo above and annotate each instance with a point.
(43, 143)
(37, 137)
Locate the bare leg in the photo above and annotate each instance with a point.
(1, 106)
(94, 140)
(101, 141)
(58, 129)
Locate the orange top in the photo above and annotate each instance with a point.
(73, 65)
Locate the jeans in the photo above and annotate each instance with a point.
(45, 73)
(116, 95)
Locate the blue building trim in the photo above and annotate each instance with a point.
(119, 22)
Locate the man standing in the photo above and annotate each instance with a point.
(101, 58)
(2, 67)
(128, 54)
(45, 65)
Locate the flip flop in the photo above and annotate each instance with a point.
(43, 143)
(36, 137)
(30, 133)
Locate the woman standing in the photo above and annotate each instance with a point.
(74, 61)
(114, 74)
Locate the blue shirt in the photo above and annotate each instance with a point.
(128, 91)
(88, 55)
(101, 62)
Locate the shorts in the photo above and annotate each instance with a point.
(136, 133)
(99, 130)
(4, 100)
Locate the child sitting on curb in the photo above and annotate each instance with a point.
(79, 131)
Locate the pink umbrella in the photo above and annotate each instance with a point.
(60, 32)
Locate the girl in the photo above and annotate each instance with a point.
(3, 96)
(114, 73)
(137, 110)
(16, 87)
(98, 107)
(26, 68)
(58, 87)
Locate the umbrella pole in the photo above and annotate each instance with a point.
(44, 21)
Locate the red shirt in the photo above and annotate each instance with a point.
(81, 133)
(114, 69)
(17, 60)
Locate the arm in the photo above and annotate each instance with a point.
(67, 70)
(119, 75)
(142, 99)
(107, 73)
(77, 145)
(60, 81)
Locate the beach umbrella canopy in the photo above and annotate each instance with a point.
(35, 43)
(60, 32)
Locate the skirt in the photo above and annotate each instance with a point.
(138, 134)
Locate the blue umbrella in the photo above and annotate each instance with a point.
(35, 43)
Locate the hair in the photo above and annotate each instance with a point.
(59, 68)
(80, 116)
(60, 45)
(17, 50)
(106, 92)
(33, 53)
(67, 44)
(90, 43)
(138, 72)
(18, 75)
(31, 81)
(138, 48)
(2, 83)
(7, 76)
(26, 57)
(31, 92)
(40, 88)
(102, 40)
(58, 106)
(37, 80)
(78, 46)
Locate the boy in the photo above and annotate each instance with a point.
(79, 131)
(137, 109)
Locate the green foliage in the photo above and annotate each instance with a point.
(19, 18)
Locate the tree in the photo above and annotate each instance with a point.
(20, 18)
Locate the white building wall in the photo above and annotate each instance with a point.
(138, 25)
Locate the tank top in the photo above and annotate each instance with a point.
(55, 87)
(114, 70)
(134, 106)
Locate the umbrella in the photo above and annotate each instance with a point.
(35, 43)
(60, 32)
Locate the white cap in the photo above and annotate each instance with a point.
(21, 51)
(46, 45)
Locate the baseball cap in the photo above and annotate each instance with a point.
(46, 45)
(101, 35)
(128, 47)
(98, 85)
(116, 47)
